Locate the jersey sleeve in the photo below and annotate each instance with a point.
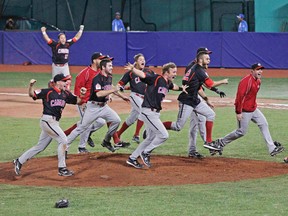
(149, 78)
(243, 89)
(80, 82)
(71, 98)
(40, 93)
(52, 43)
(125, 78)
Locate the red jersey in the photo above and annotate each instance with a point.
(246, 94)
(84, 79)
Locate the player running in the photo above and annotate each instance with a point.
(157, 88)
(97, 106)
(136, 97)
(246, 111)
(54, 100)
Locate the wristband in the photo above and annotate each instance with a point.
(180, 89)
(80, 30)
(44, 33)
(205, 98)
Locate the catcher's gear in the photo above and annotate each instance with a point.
(63, 203)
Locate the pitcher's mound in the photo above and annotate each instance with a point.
(110, 170)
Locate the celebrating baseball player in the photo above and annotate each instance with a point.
(97, 106)
(60, 52)
(136, 97)
(246, 111)
(157, 88)
(84, 79)
(54, 100)
(196, 119)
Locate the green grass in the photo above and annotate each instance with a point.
(265, 196)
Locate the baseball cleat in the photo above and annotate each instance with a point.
(277, 150)
(146, 159)
(121, 144)
(195, 154)
(65, 172)
(82, 150)
(212, 145)
(90, 142)
(108, 145)
(134, 163)
(136, 139)
(17, 166)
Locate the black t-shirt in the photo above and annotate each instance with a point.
(194, 78)
(60, 52)
(136, 85)
(100, 82)
(54, 100)
(156, 90)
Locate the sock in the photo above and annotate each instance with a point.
(167, 125)
(69, 130)
(209, 127)
(122, 129)
(138, 127)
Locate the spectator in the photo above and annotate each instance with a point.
(243, 26)
(117, 23)
(10, 24)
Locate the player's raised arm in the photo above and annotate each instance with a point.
(79, 33)
(134, 70)
(31, 88)
(45, 36)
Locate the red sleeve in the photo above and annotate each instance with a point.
(79, 83)
(209, 82)
(243, 88)
(74, 39)
(50, 41)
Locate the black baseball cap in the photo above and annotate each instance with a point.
(61, 77)
(257, 66)
(203, 50)
(97, 55)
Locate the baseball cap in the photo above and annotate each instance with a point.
(97, 55)
(257, 66)
(203, 50)
(108, 57)
(61, 77)
(241, 16)
(117, 13)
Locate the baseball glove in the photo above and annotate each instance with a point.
(63, 203)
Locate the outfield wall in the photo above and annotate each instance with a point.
(230, 49)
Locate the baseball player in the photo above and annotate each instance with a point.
(197, 121)
(246, 111)
(60, 52)
(136, 97)
(97, 107)
(54, 100)
(84, 79)
(157, 88)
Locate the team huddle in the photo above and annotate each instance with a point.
(93, 89)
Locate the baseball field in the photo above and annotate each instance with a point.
(245, 180)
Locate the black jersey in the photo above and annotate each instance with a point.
(54, 100)
(60, 52)
(156, 90)
(136, 85)
(100, 82)
(194, 78)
